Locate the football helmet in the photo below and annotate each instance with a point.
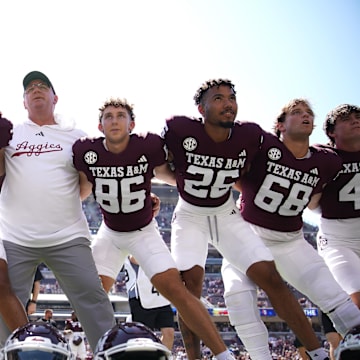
(349, 347)
(131, 341)
(36, 341)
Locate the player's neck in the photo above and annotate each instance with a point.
(350, 146)
(299, 148)
(116, 147)
(217, 133)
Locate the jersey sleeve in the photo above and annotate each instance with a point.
(331, 165)
(157, 149)
(79, 149)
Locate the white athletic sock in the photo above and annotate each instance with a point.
(225, 355)
(255, 338)
(345, 317)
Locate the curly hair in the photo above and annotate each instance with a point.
(117, 102)
(208, 85)
(285, 110)
(342, 111)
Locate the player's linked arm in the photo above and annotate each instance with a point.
(85, 186)
(2, 162)
(6, 130)
(314, 202)
(164, 173)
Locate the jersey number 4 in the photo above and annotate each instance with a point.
(351, 191)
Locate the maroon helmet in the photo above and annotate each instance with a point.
(36, 340)
(349, 347)
(131, 341)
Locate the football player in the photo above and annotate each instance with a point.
(75, 336)
(209, 156)
(283, 179)
(118, 168)
(339, 229)
(147, 305)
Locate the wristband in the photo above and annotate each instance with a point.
(32, 301)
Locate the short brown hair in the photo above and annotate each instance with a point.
(285, 110)
(117, 102)
(340, 112)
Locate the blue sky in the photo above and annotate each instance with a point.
(157, 53)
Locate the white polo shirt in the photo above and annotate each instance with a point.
(40, 202)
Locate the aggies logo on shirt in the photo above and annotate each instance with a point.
(28, 149)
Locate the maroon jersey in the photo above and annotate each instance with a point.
(279, 186)
(75, 326)
(206, 170)
(341, 197)
(121, 182)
